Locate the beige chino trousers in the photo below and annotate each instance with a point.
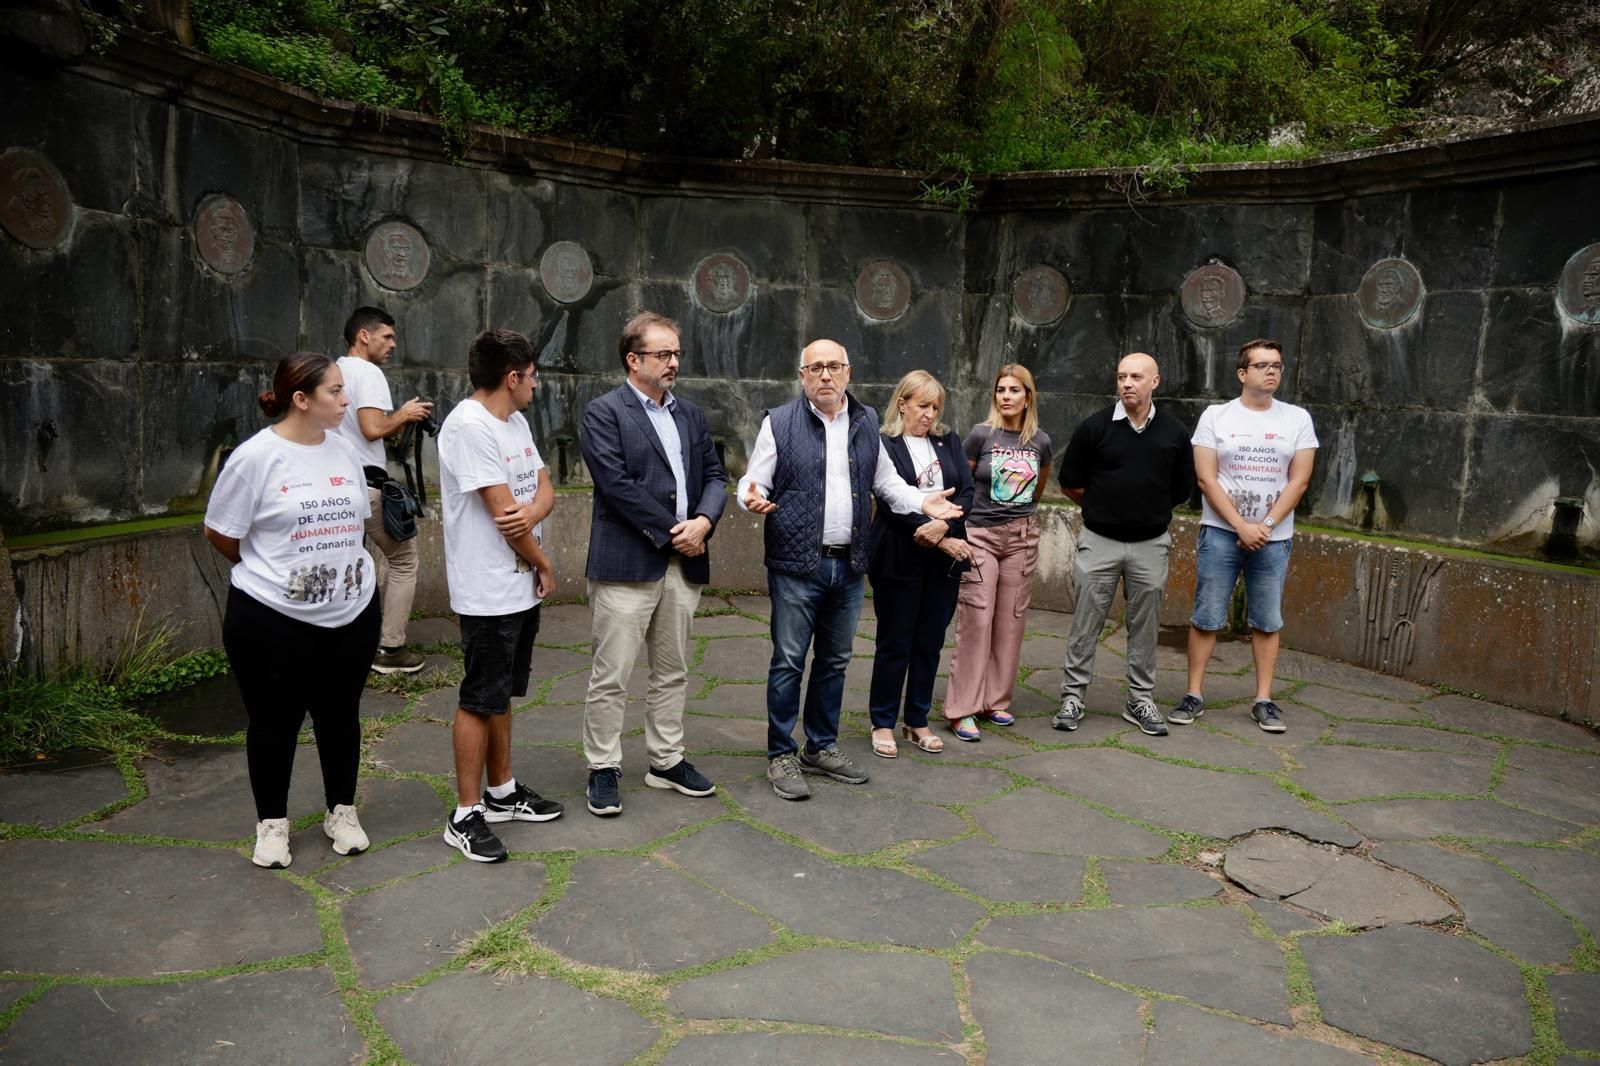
(399, 585)
(628, 615)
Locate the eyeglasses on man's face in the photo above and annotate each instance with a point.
(1267, 368)
(816, 370)
(663, 356)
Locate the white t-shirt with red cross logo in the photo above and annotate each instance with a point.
(1254, 449)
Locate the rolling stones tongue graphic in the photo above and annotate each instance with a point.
(1014, 475)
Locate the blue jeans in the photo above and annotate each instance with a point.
(819, 611)
(1218, 561)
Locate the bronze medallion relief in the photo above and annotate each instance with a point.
(1390, 293)
(1212, 295)
(1040, 295)
(883, 290)
(35, 204)
(1578, 291)
(566, 272)
(721, 283)
(223, 235)
(397, 256)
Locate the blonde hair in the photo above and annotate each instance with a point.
(1030, 414)
(894, 423)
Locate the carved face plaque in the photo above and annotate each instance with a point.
(397, 256)
(566, 272)
(35, 205)
(1212, 295)
(1578, 291)
(1390, 293)
(883, 290)
(1040, 295)
(223, 235)
(721, 283)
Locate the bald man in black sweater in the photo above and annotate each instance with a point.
(1127, 466)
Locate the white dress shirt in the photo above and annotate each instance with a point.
(887, 483)
(666, 427)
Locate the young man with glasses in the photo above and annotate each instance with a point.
(1253, 458)
(659, 491)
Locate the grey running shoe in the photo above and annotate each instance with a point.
(1142, 713)
(833, 762)
(783, 774)
(1268, 716)
(1070, 714)
(1188, 709)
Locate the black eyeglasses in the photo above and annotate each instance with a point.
(1268, 368)
(816, 369)
(664, 356)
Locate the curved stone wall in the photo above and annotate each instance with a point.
(171, 226)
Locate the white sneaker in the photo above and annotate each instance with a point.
(344, 830)
(272, 844)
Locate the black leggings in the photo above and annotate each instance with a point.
(286, 667)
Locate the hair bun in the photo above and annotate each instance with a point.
(269, 403)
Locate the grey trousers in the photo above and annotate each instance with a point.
(1141, 566)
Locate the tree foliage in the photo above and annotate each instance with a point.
(957, 84)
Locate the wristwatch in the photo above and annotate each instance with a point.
(1269, 521)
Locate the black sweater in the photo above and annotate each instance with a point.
(1131, 480)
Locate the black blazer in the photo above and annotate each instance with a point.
(893, 554)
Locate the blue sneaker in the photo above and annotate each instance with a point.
(683, 777)
(604, 799)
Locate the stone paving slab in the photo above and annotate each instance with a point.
(1352, 705)
(1203, 746)
(1184, 1036)
(1299, 666)
(633, 914)
(1205, 954)
(565, 624)
(1406, 736)
(1209, 802)
(1275, 866)
(1421, 819)
(743, 658)
(729, 625)
(375, 704)
(1363, 894)
(735, 699)
(172, 909)
(1559, 799)
(288, 1015)
(1336, 773)
(386, 864)
(1577, 1001)
(1566, 875)
(803, 1049)
(416, 747)
(572, 686)
(1034, 820)
(479, 1017)
(1305, 727)
(398, 932)
(1222, 690)
(49, 798)
(1032, 1011)
(1495, 904)
(11, 991)
(1283, 920)
(388, 810)
(705, 732)
(1093, 729)
(423, 632)
(813, 896)
(1437, 995)
(883, 992)
(1481, 716)
(647, 814)
(440, 705)
(845, 818)
(1003, 874)
(915, 775)
(1581, 770)
(1143, 884)
(202, 792)
(760, 606)
(559, 724)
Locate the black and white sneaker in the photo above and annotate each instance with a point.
(683, 777)
(1142, 713)
(523, 805)
(604, 799)
(1070, 716)
(473, 838)
(1268, 716)
(1188, 709)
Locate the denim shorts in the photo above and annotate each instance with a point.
(1218, 561)
(499, 654)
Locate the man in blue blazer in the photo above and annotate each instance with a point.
(659, 490)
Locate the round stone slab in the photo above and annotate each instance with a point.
(1212, 295)
(721, 283)
(397, 256)
(1390, 293)
(883, 290)
(35, 204)
(566, 272)
(1579, 289)
(1040, 295)
(223, 235)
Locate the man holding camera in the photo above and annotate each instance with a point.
(370, 418)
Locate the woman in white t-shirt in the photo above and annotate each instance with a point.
(302, 619)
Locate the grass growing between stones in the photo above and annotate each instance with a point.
(1547, 1043)
(1297, 981)
(1095, 892)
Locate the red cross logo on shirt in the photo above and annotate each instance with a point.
(284, 489)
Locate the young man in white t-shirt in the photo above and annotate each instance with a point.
(371, 416)
(1253, 459)
(493, 495)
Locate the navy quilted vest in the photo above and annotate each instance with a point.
(794, 530)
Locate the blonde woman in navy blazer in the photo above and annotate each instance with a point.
(915, 564)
